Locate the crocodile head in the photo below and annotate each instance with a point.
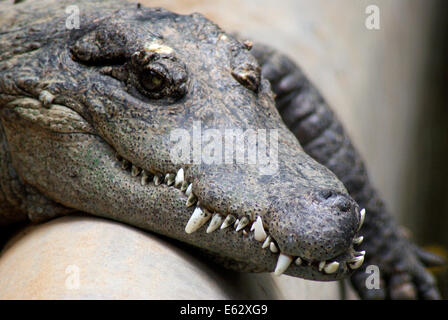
(93, 117)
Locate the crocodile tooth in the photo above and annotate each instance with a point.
(215, 223)
(197, 219)
(135, 171)
(356, 262)
(235, 225)
(298, 261)
(358, 240)
(360, 253)
(169, 178)
(266, 242)
(331, 267)
(273, 247)
(191, 200)
(157, 180)
(245, 233)
(362, 214)
(257, 226)
(188, 191)
(145, 178)
(179, 180)
(184, 186)
(124, 164)
(229, 220)
(321, 265)
(243, 222)
(283, 263)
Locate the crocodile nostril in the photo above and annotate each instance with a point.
(343, 204)
(333, 198)
(327, 194)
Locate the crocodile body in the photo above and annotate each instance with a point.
(87, 120)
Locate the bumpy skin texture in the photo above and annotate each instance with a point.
(308, 116)
(79, 108)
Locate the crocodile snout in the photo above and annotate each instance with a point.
(317, 226)
(313, 225)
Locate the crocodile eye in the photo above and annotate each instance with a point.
(158, 76)
(153, 81)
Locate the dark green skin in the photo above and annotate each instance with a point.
(71, 100)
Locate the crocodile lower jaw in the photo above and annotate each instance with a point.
(248, 226)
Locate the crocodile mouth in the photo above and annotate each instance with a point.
(251, 228)
(250, 231)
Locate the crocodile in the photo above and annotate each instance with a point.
(87, 118)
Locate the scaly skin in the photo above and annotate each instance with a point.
(309, 117)
(86, 117)
(84, 111)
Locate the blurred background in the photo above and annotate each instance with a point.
(388, 86)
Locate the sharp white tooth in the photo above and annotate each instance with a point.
(236, 223)
(188, 191)
(362, 215)
(360, 253)
(191, 200)
(331, 267)
(358, 240)
(124, 164)
(283, 263)
(184, 186)
(321, 265)
(157, 180)
(228, 221)
(169, 178)
(257, 226)
(197, 219)
(356, 262)
(243, 222)
(245, 233)
(179, 178)
(273, 247)
(135, 171)
(145, 178)
(298, 261)
(266, 242)
(215, 223)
